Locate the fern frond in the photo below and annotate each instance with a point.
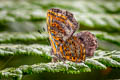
(69, 67)
(91, 14)
(86, 6)
(116, 57)
(42, 38)
(39, 50)
(11, 73)
(109, 62)
(83, 12)
(113, 38)
(100, 60)
(25, 38)
(34, 50)
(95, 64)
(81, 6)
(105, 22)
(99, 22)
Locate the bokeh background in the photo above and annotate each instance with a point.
(20, 21)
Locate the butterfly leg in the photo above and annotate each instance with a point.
(61, 58)
(54, 58)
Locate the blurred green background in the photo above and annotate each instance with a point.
(20, 21)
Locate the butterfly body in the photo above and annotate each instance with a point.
(61, 26)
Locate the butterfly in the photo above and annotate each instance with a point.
(66, 45)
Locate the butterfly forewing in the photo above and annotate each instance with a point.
(61, 23)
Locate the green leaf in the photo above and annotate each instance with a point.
(95, 64)
(26, 38)
(109, 62)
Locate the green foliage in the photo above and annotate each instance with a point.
(25, 38)
(90, 14)
(103, 22)
(95, 64)
(35, 37)
(20, 21)
(116, 57)
(113, 38)
(70, 68)
(31, 50)
(101, 60)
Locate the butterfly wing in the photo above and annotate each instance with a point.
(73, 50)
(79, 46)
(61, 25)
(89, 40)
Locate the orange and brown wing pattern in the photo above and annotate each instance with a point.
(73, 50)
(61, 23)
(61, 26)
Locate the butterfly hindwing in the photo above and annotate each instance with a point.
(73, 50)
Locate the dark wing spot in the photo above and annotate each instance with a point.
(81, 38)
(73, 57)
